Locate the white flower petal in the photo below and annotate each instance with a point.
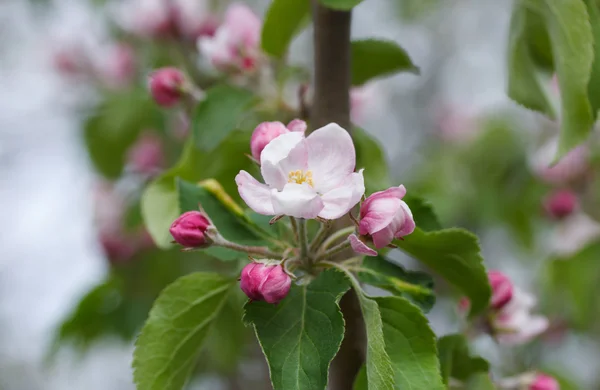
(331, 156)
(297, 200)
(280, 147)
(340, 200)
(256, 195)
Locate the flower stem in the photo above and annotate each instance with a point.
(335, 250)
(303, 239)
(321, 234)
(342, 233)
(294, 228)
(250, 250)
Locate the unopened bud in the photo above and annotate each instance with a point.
(265, 280)
(502, 289)
(543, 382)
(560, 204)
(263, 134)
(190, 229)
(167, 86)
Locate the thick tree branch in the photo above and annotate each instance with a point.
(331, 103)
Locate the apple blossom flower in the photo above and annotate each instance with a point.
(574, 233)
(305, 177)
(385, 216)
(167, 86)
(573, 166)
(360, 247)
(236, 43)
(267, 131)
(265, 280)
(509, 319)
(560, 204)
(543, 382)
(117, 67)
(146, 155)
(190, 230)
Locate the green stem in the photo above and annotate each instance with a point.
(342, 233)
(250, 250)
(303, 239)
(321, 234)
(335, 250)
(294, 225)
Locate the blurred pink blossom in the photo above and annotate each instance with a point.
(236, 43)
(118, 66)
(146, 155)
(362, 100)
(573, 166)
(560, 203)
(456, 124)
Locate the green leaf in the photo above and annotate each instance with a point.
(423, 214)
(221, 112)
(370, 156)
(573, 281)
(594, 84)
(572, 43)
(115, 126)
(179, 321)
(416, 286)
(372, 58)
(342, 5)
(410, 344)
(455, 255)
(455, 360)
(301, 335)
(160, 201)
(480, 382)
(361, 382)
(524, 86)
(282, 21)
(232, 226)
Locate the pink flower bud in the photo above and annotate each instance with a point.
(190, 229)
(167, 86)
(560, 204)
(384, 216)
(297, 125)
(146, 155)
(265, 281)
(544, 382)
(502, 289)
(263, 134)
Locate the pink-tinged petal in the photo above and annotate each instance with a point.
(256, 195)
(378, 214)
(360, 247)
(408, 225)
(340, 200)
(243, 24)
(297, 200)
(296, 159)
(533, 327)
(280, 147)
(393, 192)
(383, 238)
(331, 156)
(297, 125)
(273, 175)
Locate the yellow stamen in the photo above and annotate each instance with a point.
(300, 177)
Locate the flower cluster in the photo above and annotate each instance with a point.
(509, 319)
(305, 177)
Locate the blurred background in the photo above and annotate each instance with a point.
(80, 139)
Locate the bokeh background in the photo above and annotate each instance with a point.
(450, 134)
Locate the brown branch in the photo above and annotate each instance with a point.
(331, 103)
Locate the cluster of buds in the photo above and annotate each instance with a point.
(306, 177)
(509, 319)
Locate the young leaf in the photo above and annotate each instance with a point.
(160, 201)
(301, 335)
(524, 86)
(416, 286)
(342, 5)
(115, 126)
(572, 44)
(370, 156)
(179, 321)
(220, 113)
(455, 360)
(361, 382)
(455, 255)
(372, 58)
(232, 226)
(410, 344)
(282, 21)
(594, 84)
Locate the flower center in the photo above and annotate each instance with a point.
(298, 176)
